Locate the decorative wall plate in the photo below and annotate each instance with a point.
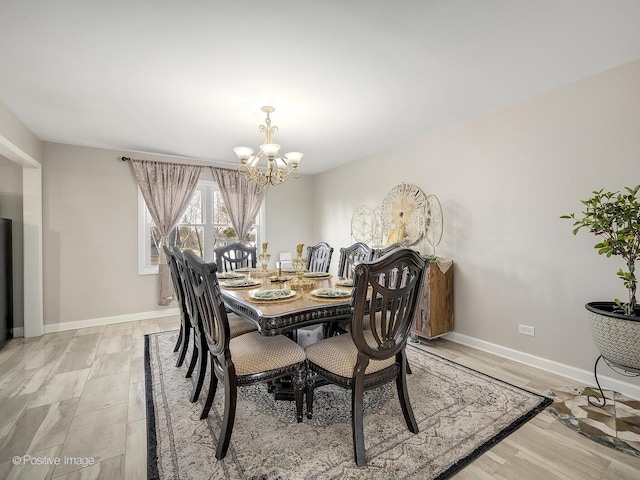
(364, 224)
(435, 221)
(404, 214)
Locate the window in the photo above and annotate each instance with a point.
(204, 226)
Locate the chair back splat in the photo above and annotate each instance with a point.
(358, 252)
(395, 282)
(235, 255)
(319, 257)
(383, 306)
(379, 252)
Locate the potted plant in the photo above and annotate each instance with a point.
(615, 325)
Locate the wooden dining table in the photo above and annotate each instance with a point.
(275, 317)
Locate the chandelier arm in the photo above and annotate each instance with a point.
(259, 177)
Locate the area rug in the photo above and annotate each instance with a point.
(616, 425)
(461, 413)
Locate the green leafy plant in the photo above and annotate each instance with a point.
(615, 217)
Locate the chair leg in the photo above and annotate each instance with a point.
(194, 356)
(298, 392)
(179, 342)
(409, 372)
(213, 385)
(403, 396)
(185, 332)
(310, 387)
(201, 368)
(357, 414)
(230, 397)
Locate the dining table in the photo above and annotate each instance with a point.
(280, 304)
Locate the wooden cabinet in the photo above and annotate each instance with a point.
(434, 316)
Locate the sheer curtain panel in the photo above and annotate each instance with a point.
(241, 197)
(167, 189)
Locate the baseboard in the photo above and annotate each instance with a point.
(583, 376)
(17, 332)
(96, 322)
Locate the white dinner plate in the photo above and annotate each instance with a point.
(245, 282)
(315, 275)
(230, 275)
(330, 293)
(272, 294)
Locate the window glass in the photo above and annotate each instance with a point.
(204, 226)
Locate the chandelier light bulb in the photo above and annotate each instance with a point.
(243, 153)
(293, 158)
(270, 149)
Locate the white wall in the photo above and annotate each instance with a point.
(503, 180)
(289, 222)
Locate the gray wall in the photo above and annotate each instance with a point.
(503, 180)
(90, 233)
(90, 237)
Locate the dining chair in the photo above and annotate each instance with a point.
(386, 295)
(319, 257)
(243, 360)
(185, 324)
(235, 255)
(358, 252)
(379, 252)
(238, 326)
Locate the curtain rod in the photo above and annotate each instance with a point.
(126, 159)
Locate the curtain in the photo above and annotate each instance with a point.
(241, 197)
(167, 189)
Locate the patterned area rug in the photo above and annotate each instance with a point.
(461, 413)
(616, 425)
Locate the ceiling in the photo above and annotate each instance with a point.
(347, 78)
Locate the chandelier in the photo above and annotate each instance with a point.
(278, 168)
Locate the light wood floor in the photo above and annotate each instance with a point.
(78, 396)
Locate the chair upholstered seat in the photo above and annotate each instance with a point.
(239, 326)
(275, 353)
(339, 354)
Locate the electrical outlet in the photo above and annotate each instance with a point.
(527, 330)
